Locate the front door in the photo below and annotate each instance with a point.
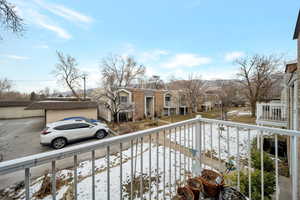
(149, 107)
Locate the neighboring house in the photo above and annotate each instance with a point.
(285, 113)
(57, 110)
(16, 109)
(139, 103)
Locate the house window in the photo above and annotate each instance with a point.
(124, 99)
(167, 98)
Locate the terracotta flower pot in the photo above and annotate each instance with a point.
(185, 192)
(195, 186)
(211, 187)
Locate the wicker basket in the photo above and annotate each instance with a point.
(185, 192)
(196, 186)
(211, 188)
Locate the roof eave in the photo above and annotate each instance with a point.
(297, 28)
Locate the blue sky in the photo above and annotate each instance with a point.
(170, 37)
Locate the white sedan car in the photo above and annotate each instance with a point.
(59, 134)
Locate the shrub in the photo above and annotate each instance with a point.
(269, 184)
(269, 177)
(256, 161)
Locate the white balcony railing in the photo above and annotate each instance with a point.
(271, 112)
(153, 163)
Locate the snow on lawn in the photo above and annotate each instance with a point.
(85, 178)
(210, 140)
(239, 112)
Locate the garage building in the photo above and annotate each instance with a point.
(57, 110)
(16, 110)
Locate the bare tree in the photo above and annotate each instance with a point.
(227, 95)
(118, 72)
(256, 76)
(9, 18)
(66, 71)
(193, 88)
(5, 86)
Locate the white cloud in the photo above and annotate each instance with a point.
(231, 56)
(44, 22)
(34, 12)
(15, 57)
(64, 12)
(145, 57)
(186, 60)
(152, 55)
(56, 29)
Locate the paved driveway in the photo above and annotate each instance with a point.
(20, 137)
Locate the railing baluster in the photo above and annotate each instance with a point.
(157, 164)
(184, 153)
(276, 167)
(204, 140)
(249, 164)
(193, 143)
(53, 180)
(211, 141)
(108, 171)
(141, 178)
(294, 160)
(150, 142)
(262, 163)
(175, 159)
(200, 143)
(180, 175)
(121, 171)
(93, 175)
(131, 171)
(228, 141)
(170, 164)
(189, 147)
(219, 146)
(75, 177)
(27, 183)
(238, 157)
(164, 166)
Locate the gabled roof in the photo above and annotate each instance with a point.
(61, 105)
(297, 28)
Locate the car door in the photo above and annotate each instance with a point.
(84, 130)
(67, 130)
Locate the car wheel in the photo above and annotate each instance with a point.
(101, 134)
(59, 143)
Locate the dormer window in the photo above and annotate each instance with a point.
(167, 98)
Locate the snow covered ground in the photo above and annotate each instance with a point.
(210, 140)
(85, 178)
(239, 112)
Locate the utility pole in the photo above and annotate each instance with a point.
(84, 86)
